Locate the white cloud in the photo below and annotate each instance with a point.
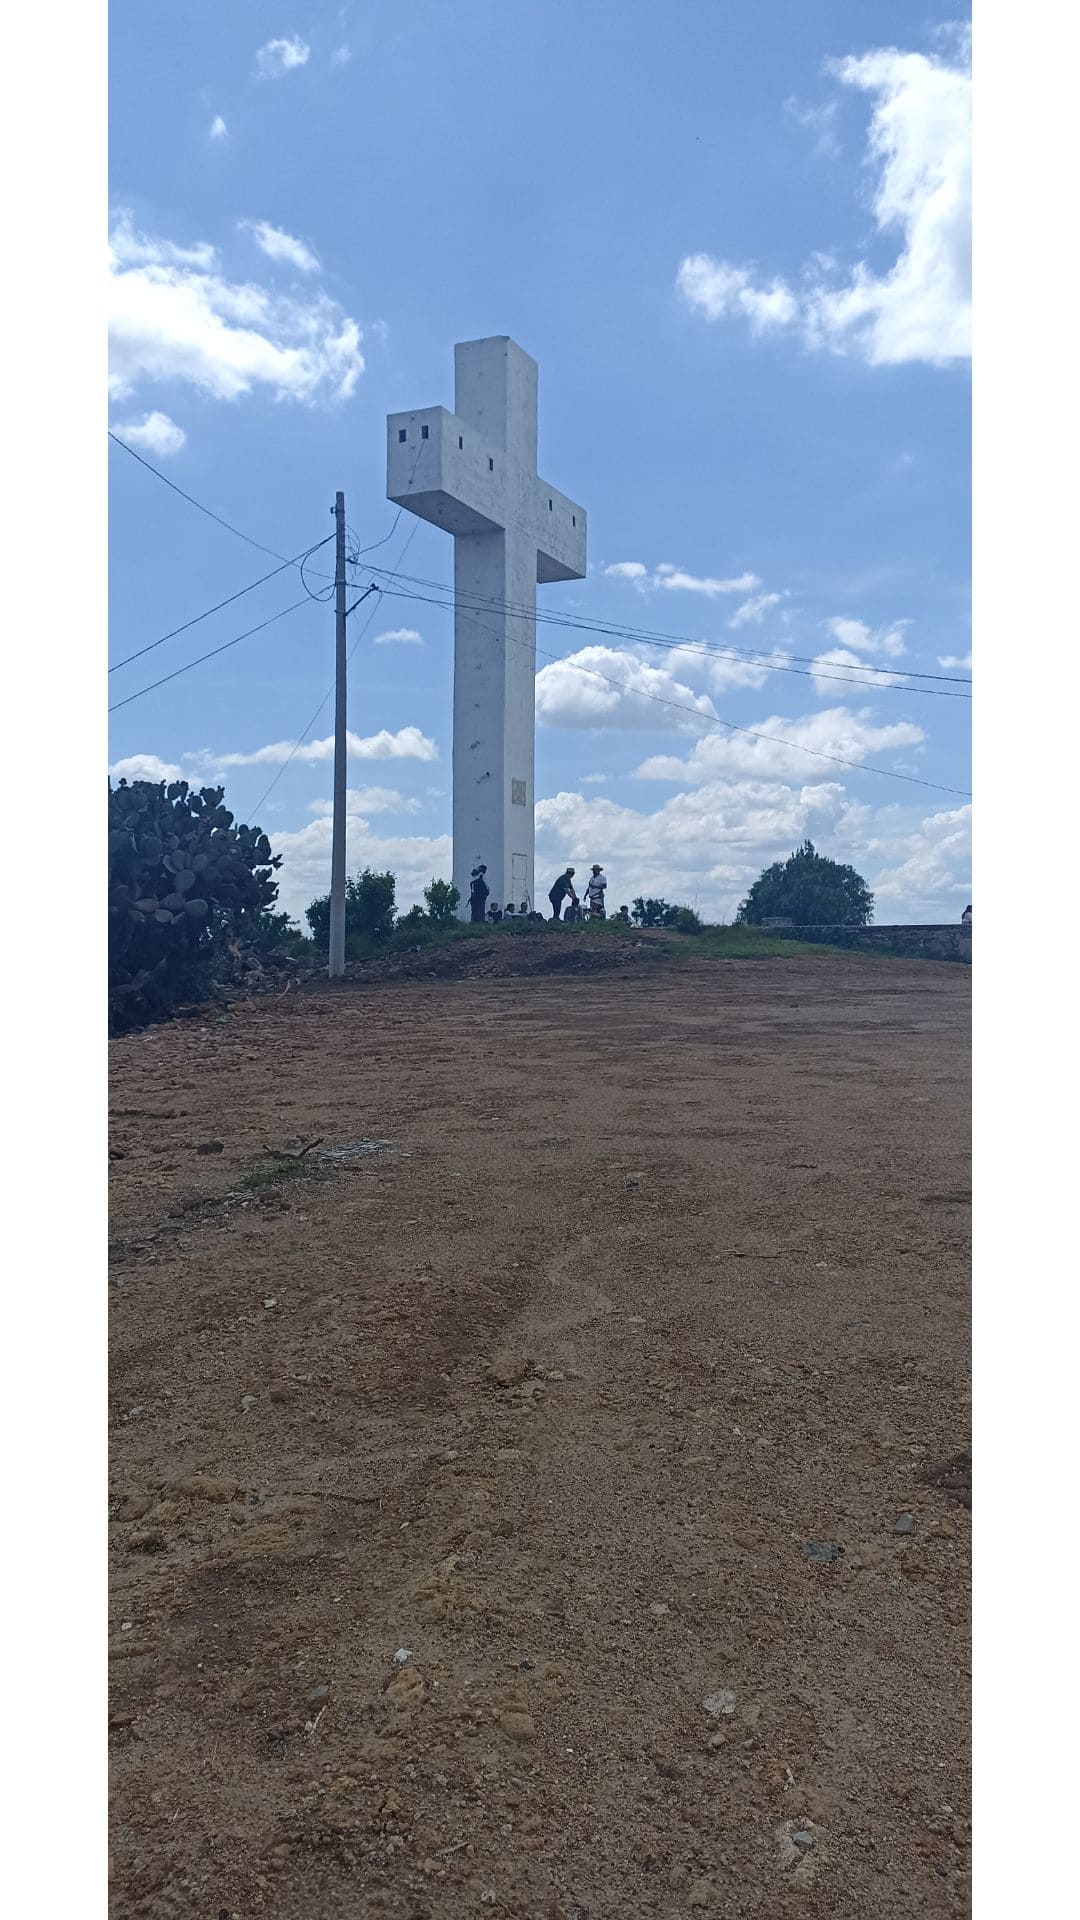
(155, 433)
(143, 766)
(175, 317)
(676, 580)
(856, 633)
(720, 289)
(919, 143)
(305, 871)
(281, 56)
(341, 56)
(218, 129)
(849, 736)
(820, 121)
(754, 609)
(365, 801)
(399, 636)
(826, 681)
(408, 743)
(955, 660)
(572, 693)
(707, 844)
(280, 246)
(932, 867)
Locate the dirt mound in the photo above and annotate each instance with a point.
(511, 956)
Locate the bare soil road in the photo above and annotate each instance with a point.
(506, 1519)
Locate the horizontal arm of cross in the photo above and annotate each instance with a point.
(439, 468)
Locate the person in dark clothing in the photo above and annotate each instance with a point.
(623, 915)
(494, 914)
(563, 887)
(478, 893)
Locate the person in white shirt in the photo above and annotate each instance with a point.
(594, 894)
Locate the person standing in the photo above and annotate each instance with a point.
(478, 893)
(564, 886)
(594, 894)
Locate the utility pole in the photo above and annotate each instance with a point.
(337, 855)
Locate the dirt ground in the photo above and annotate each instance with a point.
(506, 1519)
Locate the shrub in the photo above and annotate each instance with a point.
(185, 883)
(442, 901)
(369, 909)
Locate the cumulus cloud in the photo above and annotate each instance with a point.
(174, 316)
(770, 748)
(218, 129)
(955, 660)
(635, 687)
(753, 611)
(707, 844)
(281, 56)
(919, 148)
(924, 869)
(154, 433)
(143, 766)
(677, 580)
(408, 743)
(305, 871)
(613, 687)
(399, 636)
(281, 247)
(825, 680)
(341, 56)
(366, 801)
(856, 633)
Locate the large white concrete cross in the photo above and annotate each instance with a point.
(473, 472)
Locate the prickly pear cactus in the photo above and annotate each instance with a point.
(185, 882)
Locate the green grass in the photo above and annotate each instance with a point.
(274, 1173)
(739, 943)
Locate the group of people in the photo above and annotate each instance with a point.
(562, 895)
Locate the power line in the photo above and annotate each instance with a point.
(214, 651)
(766, 661)
(715, 720)
(260, 582)
(191, 500)
(650, 636)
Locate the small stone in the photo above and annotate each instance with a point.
(402, 1654)
(519, 1725)
(508, 1368)
(802, 1839)
(125, 1626)
(723, 1701)
(210, 1146)
(700, 1894)
(823, 1550)
(269, 1303)
(905, 1524)
(659, 1609)
(247, 1402)
(318, 1697)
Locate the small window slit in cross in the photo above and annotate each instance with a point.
(401, 433)
(423, 433)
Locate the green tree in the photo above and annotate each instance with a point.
(369, 908)
(442, 902)
(810, 890)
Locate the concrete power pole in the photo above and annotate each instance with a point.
(337, 855)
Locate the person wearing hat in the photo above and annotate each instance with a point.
(564, 886)
(478, 893)
(594, 894)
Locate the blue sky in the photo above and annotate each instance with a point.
(735, 238)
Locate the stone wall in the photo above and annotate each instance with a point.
(923, 943)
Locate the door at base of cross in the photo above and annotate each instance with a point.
(519, 878)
